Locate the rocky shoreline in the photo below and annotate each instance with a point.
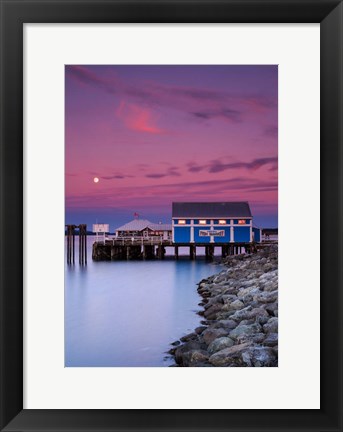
(240, 310)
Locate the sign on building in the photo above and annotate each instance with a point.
(214, 233)
(101, 228)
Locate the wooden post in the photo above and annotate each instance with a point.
(80, 246)
(176, 249)
(73, 232)
(82, 243)
(85, 240)
(211, 252)
(191, 253)
(160, 252)
(68, 246)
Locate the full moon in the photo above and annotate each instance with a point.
(96, 180)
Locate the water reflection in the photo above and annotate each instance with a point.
(127, 313)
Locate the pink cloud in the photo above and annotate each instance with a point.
(238, 188)
(138, 118)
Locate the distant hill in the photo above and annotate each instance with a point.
(88, 233)
(270, 231)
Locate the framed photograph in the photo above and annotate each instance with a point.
(171, 215)
(137, 155)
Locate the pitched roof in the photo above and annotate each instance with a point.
(135, 225)
(211, 209)
(160, 227)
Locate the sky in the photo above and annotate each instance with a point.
(152, 135)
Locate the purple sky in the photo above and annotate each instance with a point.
(157, 134)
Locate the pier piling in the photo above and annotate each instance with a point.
(71, 244)
(82, 244)
(192, 252)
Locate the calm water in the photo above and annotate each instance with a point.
(127, 313)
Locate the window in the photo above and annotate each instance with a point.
(202, 221)
(181, 222)
(222, 221)
(242, 222)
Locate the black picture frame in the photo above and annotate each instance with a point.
(14, 13)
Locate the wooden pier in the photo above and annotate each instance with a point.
(71, 232)
(155, 248)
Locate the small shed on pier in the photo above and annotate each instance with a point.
(133, 228)
(212, 222)
(160, 230)
(145, 228)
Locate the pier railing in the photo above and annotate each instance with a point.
(137, 240)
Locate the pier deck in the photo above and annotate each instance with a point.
(135, 248)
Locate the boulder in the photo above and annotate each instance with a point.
(229, 356)
(241, 314)
(258, 312)
(259, 356)
(266, 297)
(180, 350)
(176, 343)
(248, 298)
(193, 357)
(270, 285)
(256, 338)
(219, 344)
(237, 305)
(212, 311)
(271, 326)
(200, 329)
(245, 330)
(229, 298)
(214, 300)
(188, 337)
(226, 324)
(262, 319)
(211, 334)
(246, 291)
(271, 340)
(271, 308)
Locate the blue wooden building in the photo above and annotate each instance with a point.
(213, 223)
(257, 234)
